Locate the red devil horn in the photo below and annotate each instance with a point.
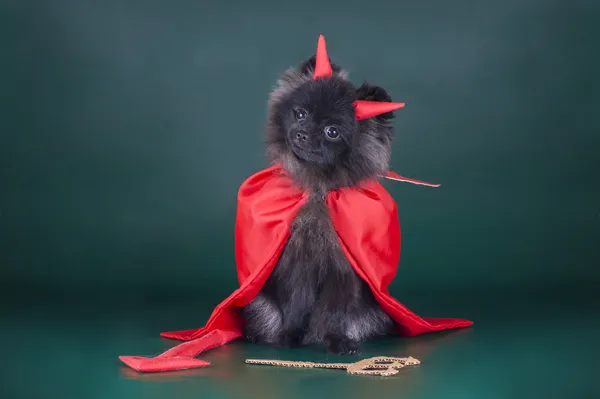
(322, 65)
(368, 109)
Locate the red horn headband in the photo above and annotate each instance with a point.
(363, 109)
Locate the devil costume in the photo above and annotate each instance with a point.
(365, 219)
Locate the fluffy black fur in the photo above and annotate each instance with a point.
(313, 295)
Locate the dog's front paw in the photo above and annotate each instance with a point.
(340, 345)
(291, 338)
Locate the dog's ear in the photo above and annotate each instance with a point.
(369, 92)
(308, 67)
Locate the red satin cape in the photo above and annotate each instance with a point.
(366, 221)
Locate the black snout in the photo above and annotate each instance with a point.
(301, 137)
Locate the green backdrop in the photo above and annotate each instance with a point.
(128, 126)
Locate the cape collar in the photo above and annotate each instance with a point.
(390, 175)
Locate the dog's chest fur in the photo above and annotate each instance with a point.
(313, 252)
(313, 243)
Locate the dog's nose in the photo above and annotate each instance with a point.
(301, 136)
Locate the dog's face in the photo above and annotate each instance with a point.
(313, 133)
(317, 122)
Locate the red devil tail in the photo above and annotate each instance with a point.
(182, 356)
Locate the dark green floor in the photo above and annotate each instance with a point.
(541, 348)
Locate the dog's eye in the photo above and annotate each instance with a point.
(332, 132)
(301, 114)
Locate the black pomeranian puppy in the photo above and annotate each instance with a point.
(313, 295)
